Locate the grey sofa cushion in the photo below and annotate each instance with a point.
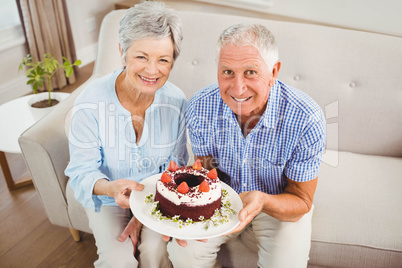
(357, 213)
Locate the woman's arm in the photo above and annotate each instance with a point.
(120, 190)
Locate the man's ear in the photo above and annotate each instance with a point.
(275, 71)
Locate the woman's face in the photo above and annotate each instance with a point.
(148, 64)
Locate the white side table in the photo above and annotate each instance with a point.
(15, 118)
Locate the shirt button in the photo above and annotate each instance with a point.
(244, 160)
(244, 184)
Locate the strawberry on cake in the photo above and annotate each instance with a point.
(190, 192)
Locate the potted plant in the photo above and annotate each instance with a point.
(41, 72)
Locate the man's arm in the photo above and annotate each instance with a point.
(291, 205)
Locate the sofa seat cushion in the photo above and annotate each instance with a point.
(357, 220)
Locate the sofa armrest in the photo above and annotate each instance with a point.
(45, 149)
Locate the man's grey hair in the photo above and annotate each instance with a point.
(255, 35)
(150, 19)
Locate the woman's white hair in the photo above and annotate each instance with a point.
(255, 35)
(150, 19)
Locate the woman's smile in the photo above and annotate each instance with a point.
(147, 79)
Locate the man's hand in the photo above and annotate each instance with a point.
(133, 230)
(120, 190)
(182, 243)
(252, 205)
(291, 205)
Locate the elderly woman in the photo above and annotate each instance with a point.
(125, 127)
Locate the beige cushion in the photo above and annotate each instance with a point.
(358, 213)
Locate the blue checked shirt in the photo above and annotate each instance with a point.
(288, 141)
(103, 144)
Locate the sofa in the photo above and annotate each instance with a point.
(354, 76)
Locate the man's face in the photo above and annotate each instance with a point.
(245, 80)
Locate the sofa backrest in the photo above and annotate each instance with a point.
(354, 76)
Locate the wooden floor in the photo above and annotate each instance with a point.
(27, 238)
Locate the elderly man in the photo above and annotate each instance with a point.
(268, 138)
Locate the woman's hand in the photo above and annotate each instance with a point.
(120, 190)
(132, 229)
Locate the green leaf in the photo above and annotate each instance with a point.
(29, 71)
(66, 61)
(77, 63)
(69, 72)
(40, 71)
(54, 62)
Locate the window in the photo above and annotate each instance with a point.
(8, 14)
(11, 33)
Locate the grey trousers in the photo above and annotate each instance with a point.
(280, 244)
(108, 224)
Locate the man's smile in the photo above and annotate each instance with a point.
(241, 100)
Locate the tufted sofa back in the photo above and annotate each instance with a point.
(354, 76)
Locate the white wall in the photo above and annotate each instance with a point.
(86, 17)
(366, 15)
(370, 15)
(12, 82)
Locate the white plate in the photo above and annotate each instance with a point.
(141, 211)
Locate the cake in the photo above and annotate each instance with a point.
(190, 192)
